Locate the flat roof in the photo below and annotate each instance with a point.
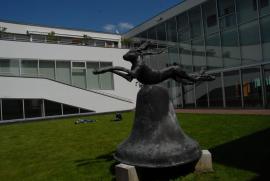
(58, 27)
(163, 16)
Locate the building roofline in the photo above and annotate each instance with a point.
(163, 16)
(58, 27)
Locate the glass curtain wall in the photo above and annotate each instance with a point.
(32, 108)
(63, 72)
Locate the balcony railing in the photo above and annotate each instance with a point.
(58, 40)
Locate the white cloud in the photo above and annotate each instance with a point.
(125, 26)
(109, 28)
(116, 28)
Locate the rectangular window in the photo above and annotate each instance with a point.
(189, 100)
(265, 29)
(252, 87)
(267, 84)
(183, 27)
(215, 92)
(250, 43)
(201, 95)
(52, 108)
(10, 67)
(171, 30)
(161, 33)
(152, 34)
(92, 80)
(230, 47)
(198, 54)
(79, 78)
(247, 10)
(100, 43)
(33, 108)
(227, 14)
(63, 71)
(29, 67)
(232, 88)
(12, 109)
(78, 64)
(195, 22)
(264, 7)
(185, 53)
(213, 52)
(106, 79)
(47, 69)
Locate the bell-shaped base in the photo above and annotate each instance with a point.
(156, 139)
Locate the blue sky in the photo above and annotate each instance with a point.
(98, 15)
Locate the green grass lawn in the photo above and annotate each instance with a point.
(61, 150)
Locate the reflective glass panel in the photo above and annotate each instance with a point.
(267, 84)
(47, 69)
(210, 17)
(67, 109)
(106, 79)
(189, 100)
(201, 95)
(52, 108)
(152, 35)
(161, 33)
(232, 88)
(215, 92)
(227, 14)
(252, 87)
(265, 28)
(250, 43)
(63, 71)
(247, 10)
(10, 67)
(29, 67)
(12, 109)
(79, 78)
(185, 56)
(213, 52)
(230, 47)
(183, 27)
(171, 30)
(198, 54)
(264, 7)
(32, 108)
(92, 80)
(195, 22)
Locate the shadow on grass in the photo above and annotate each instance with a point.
(144, 174)
(250, 153)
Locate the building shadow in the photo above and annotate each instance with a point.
(144, 174)
(250, 153)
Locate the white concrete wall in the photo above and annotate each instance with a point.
(39, 88)
(29, 50)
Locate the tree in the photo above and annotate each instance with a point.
(2, 31)
(86, 40)
(51, 37)
(126, 42)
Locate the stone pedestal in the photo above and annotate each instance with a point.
(125, 172)
(205, 163)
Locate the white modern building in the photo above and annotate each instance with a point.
(47, 72)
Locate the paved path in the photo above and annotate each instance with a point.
(226, 111)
